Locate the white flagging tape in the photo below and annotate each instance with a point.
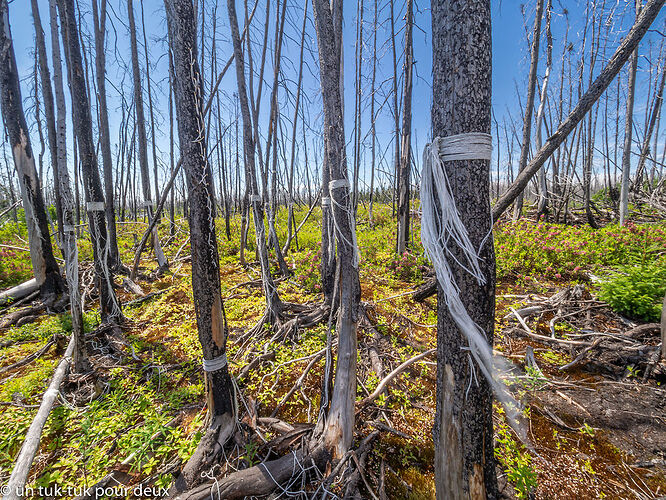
(68, 228)
(325, 201)
(338, 184)
(255, 198)
(441, 226)
(95, 206)
(147, 203)
(215, 364)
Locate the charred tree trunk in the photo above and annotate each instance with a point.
(49, 110)
(65, 202)
(273, 302)
(529, 104)
(338, 430)
(142, 139)
(463, 430)
(211, 320)
(109, 305)
(628, 129)
(44, 265)
(406, 138)
(99, 19)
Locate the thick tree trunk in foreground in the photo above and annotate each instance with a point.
(44, 265)
(109, 305)
(211, 320)
(406, 138)
(339, 428)
(600, 84)
(463, 430)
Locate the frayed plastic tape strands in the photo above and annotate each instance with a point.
(441, 226)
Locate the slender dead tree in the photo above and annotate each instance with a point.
(83, 131)
(65, 202)
(338, 429)
(274, 305)
(49, 109)
(628, 130)
(585, 103)
(99, 20)
(211, 320)
(404, 168)
(463, 430)
(542, 206)
(44, 266)
(142, 139)
(529, 104)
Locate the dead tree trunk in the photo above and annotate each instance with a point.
(338, 430)
(463, 430)
(109, 305)
(273, 302)
(66, 202)
(142, 139)
(49, 109)
(211, 320)
(99, 20)
(406, 138)
(542, 207)
(44, 265)
(529, 104)
(628, 130)
(600, 84)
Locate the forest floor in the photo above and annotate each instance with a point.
(596, 428)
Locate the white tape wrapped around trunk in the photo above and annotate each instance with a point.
(212, 365)
(442, 226)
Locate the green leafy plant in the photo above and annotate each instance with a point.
(636, 291)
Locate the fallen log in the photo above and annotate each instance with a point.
(15, 485)
(426, 290)
(18, 292)
(261, 479)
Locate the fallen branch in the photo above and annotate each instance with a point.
(386, 380)
(19, 476)
(29, 359)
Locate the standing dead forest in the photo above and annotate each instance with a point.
(372, 249)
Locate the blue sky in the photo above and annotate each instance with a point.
(510, 62)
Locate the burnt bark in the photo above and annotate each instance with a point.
(44, 265)
(404, 173)
(94, 195)
(339, 426)
(99, 19)
(211, 320)
(463, 430)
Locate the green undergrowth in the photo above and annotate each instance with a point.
(138, 398)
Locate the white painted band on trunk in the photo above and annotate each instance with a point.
(468, 146)
(338, 183)
(215, 364)
(68, 228)
(95, 206)
(255, 198)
